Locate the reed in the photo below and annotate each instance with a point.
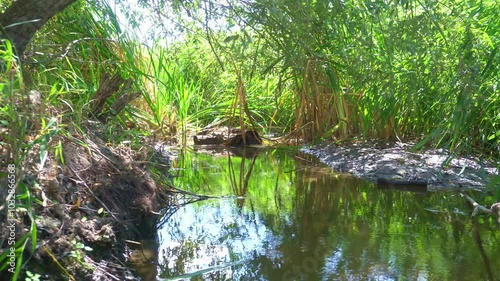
(18, 120)
(320, 70)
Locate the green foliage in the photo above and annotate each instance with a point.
(15, 117)
(321, 69)
(379, 69)
(173, 94)
(348, 226)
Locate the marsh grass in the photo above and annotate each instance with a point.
(65, 71)
(321, 110)
(239, 107)
(422, 71)
(426, 72)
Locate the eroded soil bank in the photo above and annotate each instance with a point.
(395, 163)
(90, 209)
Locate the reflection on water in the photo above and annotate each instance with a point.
(303, 222)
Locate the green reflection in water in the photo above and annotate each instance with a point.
(303, 222)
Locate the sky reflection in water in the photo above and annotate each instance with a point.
(299, 222)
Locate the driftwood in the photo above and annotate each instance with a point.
(107, 87)
(118, 105)
(418, 186)
(122, 101)
(245, 138)
(493, 210)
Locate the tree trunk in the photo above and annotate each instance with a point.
(108, 86)
(26, 17)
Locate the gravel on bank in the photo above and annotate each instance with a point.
(395, 163)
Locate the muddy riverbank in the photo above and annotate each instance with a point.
(88, 207)
(396, 163)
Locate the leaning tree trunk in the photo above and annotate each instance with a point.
(24, 18)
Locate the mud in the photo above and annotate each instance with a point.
(86, 208)
(395, 163)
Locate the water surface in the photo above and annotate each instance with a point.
(297, 220)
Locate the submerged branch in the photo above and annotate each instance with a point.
(493, 210)
(177, 190)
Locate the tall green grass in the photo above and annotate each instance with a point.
(65, 69)
(173, 96)
(424, 70)
(19, 137)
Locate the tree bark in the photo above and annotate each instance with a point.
(26, 17)
(108, 86)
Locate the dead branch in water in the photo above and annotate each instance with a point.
(493, 210)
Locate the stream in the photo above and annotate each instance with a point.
(288, 217)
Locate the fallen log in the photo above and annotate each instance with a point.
(245, 138)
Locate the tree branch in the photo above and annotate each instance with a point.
(24, 18)
(493, 210)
